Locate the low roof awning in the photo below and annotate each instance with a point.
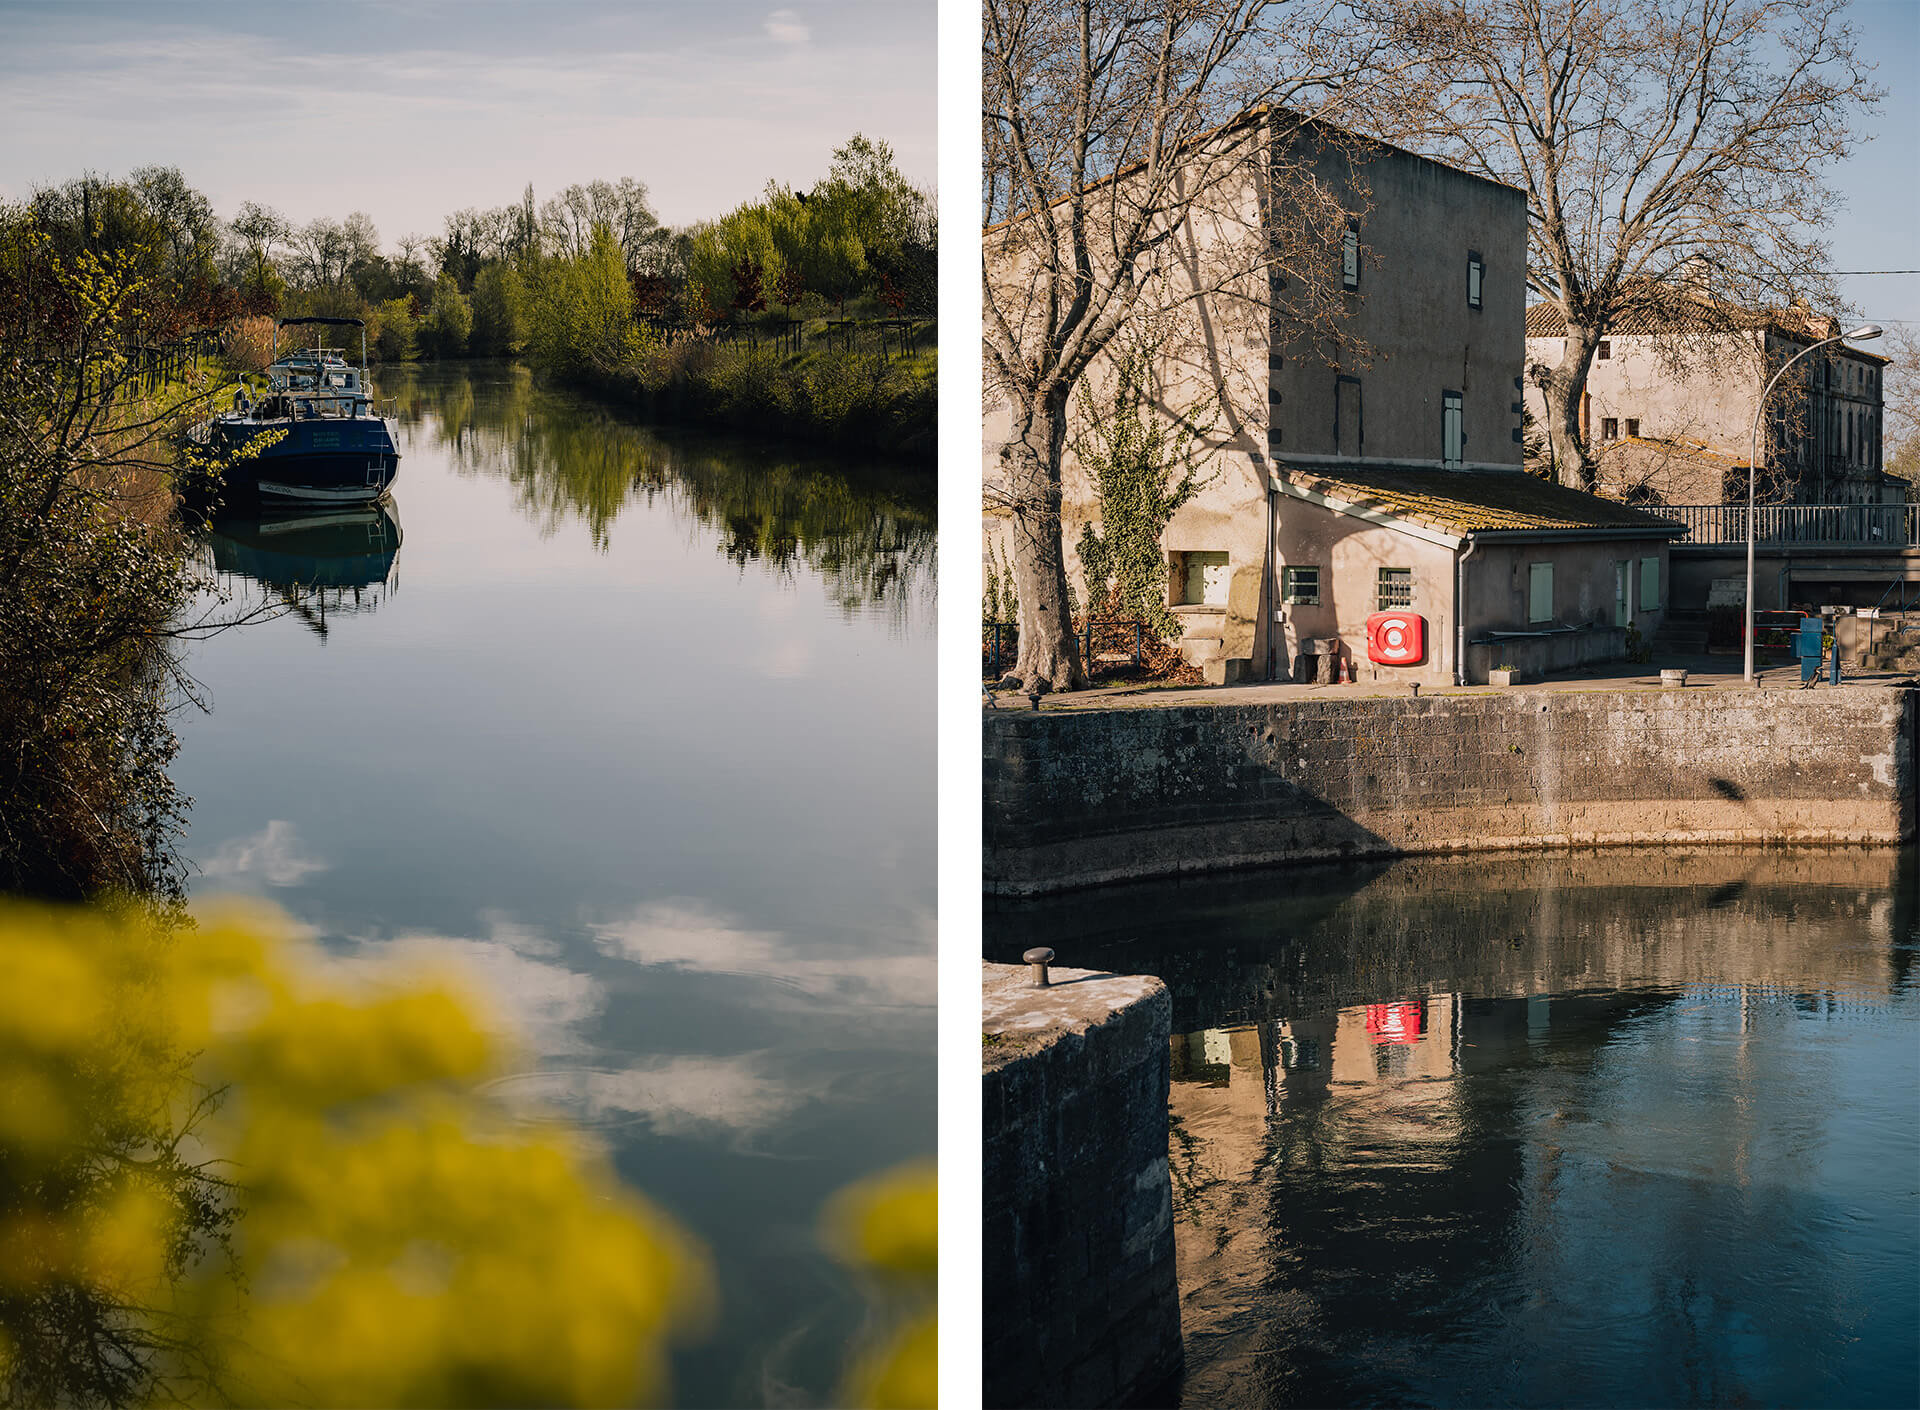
(1449, 507)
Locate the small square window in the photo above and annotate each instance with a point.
(1476, 272)
(1350, 259)
(1633, 425)
(1301, 586)
(1606, 350)
(1609, 428)
(1396, 588)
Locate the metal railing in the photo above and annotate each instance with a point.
(1852, 525)
(1104, 643)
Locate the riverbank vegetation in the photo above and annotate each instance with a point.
(97, 371)
(804, 313)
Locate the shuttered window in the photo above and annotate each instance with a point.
(1453, 435)
(1539, 592)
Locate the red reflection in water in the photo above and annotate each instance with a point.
(1396, 1023)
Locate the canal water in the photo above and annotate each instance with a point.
(633, 727)
(1622, 1129)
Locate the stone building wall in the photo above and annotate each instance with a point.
(1076, 798)
(1081, 1303)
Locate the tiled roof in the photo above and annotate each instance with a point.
(1462, 501)
(1547, 321)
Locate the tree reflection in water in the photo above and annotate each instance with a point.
(866, 529)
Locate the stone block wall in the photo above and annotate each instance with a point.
(1081, 1303)
(1077, 798)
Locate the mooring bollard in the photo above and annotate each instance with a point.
(1037, 961)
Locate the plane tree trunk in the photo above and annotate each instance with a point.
(1565, 385)
(1049, 653)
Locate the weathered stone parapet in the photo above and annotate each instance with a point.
(1081, 1300)
(1077, 798)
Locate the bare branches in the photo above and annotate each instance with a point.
(1673, 152)
(1129, 179)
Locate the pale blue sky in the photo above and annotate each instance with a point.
(411, 111)
(1880, 229)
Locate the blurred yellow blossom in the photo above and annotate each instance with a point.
(888, 1228)
(224, 1177)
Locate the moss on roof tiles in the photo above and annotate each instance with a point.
(1463, 501)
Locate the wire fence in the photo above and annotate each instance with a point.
(1109, 646)
(886, 338)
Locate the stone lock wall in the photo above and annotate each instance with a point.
(1081, 1302)
(1081, 797)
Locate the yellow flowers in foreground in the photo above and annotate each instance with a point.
(223, 1178)
(889, 1226)
(229, 1174)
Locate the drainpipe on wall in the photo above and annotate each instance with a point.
(1270, 593)
(1460, 610)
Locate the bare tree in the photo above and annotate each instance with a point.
(1900, 393)
(258, 229)
(1117, 135)
(1672, 151)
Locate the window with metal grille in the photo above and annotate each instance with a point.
(1476, 272)
(1350, 259)
(1301, 586)
(1606, 350)
(1396, 588)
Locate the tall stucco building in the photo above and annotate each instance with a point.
(1670, 402)
(1379, 470)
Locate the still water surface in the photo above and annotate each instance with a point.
(634, 728)
(1626, 1129)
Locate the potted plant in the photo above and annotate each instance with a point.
(1506, 673)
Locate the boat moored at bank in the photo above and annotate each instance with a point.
(313, 436)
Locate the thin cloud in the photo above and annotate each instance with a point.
(685, 1095)
(513, 971)
(273, 855)
(694, 936)
(786, 27)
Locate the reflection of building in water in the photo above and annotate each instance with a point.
(319, 564)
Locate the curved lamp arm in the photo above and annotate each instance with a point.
(1864, 333)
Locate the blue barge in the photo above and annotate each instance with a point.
(333, 446)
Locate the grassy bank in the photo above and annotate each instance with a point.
(856, 400)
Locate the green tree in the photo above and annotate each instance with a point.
(449, 320)
(396, 341)
(499, 310)
(581, 312)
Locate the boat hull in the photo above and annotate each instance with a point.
(332, 461)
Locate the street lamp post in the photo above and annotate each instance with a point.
(1865, 333)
